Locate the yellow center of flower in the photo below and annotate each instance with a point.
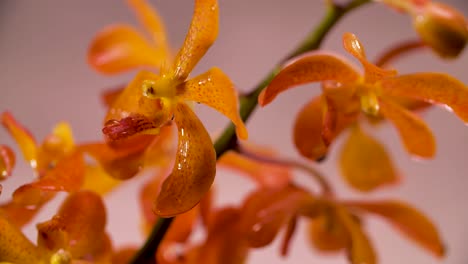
(163, 87)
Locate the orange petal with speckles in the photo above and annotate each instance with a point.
(360, 249)
(201, 35)
(15, 247)
(408, 220)
(213, 88)
(194, 169)
(372, 72)
(79, 226)
(415, 134)
(121, 48)
(22, 136)
(364, 162)
(308, 131)
(431, 87)
(7, 161)
(67, 176)
(153, 23)
(315, 67)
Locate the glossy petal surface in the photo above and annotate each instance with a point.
(202, 33)
(153, 23)
(364, 162)
(372, 73)
(23, 138)
(213, 88)
(7, 161)
(431, 87)
(313, 68)
(82, 218)
(121, 48)
(415, 134)
(308, 131)
(15, 247)
(67, 176)
(408, 220)
(194, 169)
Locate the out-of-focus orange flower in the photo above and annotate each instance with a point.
(440, 26)
(334, 225)
(76, 232)
(150, 101)
(7, 161)
(377, 93)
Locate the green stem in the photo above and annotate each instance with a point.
(228, 139)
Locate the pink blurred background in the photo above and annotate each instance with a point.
(45, 79)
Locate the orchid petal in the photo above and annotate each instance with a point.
(430, 87)
(416, 135)
(266, 211)
(7, 161)
(194, 169)
(67, 176)
(225, 242)
(18, 214)
(372, 72)
(408, 220)
(290, 230)
(313, 68)
(81, 219)
(308, 131)
(201, 35)
(327, 233)
(23, 138)
(15, 247)
(360, 250)
(99, 181)
(109, 96)
(365, 164)
(121, 48)
(213, 88)
(153, 23)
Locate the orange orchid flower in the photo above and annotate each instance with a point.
(76, 232)
(334, 225)
(150, 101)
(377, 93)
(7, 161)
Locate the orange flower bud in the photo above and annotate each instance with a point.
(442, 28)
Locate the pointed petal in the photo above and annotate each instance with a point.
(153, 23)
(202, 33)
(23, 138)
(67, 176)
(408, 220)
(121, 48)
(82, 217)
(7, 161)
(132, 112)
(308, 131)
(431, 87)
(372, 72)
(327, 233)
(290, 230)
(15, 247)
(360, 250)
(364, 162)
(194, 169)
(415, 134)
(213, 88)
(312, 68)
